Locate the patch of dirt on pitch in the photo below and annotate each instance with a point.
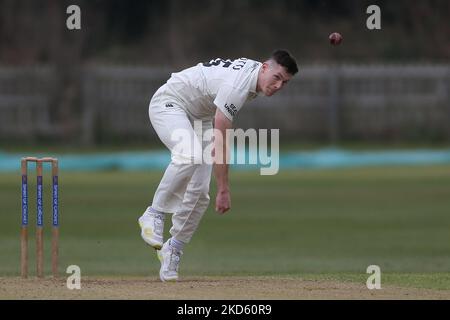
(276, 288)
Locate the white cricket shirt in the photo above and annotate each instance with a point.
(223, 84)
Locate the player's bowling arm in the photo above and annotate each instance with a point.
(221, 156)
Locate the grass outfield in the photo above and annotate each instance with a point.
(325, 224)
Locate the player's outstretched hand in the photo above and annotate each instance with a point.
(223, 202)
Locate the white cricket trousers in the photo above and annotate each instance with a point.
(184, 188)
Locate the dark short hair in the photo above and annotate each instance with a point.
(284, 58)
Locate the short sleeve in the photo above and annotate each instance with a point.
(230, 100)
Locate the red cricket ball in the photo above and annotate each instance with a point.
(335, 38)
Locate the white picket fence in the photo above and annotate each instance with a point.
(364, 102)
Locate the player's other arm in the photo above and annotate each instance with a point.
(221, 155)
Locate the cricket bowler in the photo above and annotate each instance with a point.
(211, 93)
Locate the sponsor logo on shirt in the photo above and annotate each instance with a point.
(169, 105)
(231, 109)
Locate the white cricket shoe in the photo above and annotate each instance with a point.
(152, 228)
(170, 259)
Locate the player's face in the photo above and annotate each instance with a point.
(273, 78)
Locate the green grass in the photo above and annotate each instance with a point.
(318, 223)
